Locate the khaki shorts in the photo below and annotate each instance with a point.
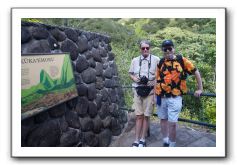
(170, 108)
(143, 105)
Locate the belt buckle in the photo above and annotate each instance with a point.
(164, 96)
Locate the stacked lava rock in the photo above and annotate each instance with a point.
(94, 116)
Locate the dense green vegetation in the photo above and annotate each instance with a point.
(193, 38)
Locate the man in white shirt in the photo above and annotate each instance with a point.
(142, 72)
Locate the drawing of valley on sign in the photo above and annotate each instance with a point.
(46, 81)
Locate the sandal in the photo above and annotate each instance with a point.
(142, 144)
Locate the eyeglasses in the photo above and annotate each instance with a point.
(165, 49)
(143, 48)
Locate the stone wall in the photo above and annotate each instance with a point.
(90, 119)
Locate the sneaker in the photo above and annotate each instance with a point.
(142, 144)
(135, 144)
(166, 144)
(172, 144)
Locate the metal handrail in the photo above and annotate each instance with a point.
(202, 94)
(181, 119)
(188, 93)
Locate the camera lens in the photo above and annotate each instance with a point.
(144, 80)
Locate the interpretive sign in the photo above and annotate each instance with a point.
(46, 80)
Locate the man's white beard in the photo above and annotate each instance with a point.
(170, 56)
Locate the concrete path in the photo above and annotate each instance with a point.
(187, 136)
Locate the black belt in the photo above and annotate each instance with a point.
(169, 95)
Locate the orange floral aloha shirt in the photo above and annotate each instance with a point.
(171, 77)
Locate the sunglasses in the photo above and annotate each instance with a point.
(143, 48)
(165, 49)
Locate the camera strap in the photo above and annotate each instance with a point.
(140, 65)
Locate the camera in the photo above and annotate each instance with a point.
(143, 80)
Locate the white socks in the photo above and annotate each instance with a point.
(143, 140)
(166, 140)
(136, 141)
(141, 145)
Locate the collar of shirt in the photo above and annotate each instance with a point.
(147, 58)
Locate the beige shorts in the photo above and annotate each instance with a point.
(143, 105)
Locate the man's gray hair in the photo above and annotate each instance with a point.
(145, 42)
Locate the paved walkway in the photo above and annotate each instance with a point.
(186, 136)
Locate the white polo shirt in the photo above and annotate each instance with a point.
(144, 68)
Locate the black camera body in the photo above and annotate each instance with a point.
(143, 80)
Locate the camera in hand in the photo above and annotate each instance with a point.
(143, 90)
(143, 80)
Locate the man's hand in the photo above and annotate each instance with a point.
(136, 79)
(199, 82)
(198, 93)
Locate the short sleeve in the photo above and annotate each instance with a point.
(157, 71)
(131, 69)
(157, 61)
(189, 66)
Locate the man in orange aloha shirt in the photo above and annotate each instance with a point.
(171, 76)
